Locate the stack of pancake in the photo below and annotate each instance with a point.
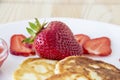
(70, 68)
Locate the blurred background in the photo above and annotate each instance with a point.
(99, 10)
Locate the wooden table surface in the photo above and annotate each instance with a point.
(100, 10)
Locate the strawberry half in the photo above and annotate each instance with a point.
(98, 46)
(55, 41)
(18, 48)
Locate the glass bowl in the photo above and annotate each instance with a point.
(3, 51)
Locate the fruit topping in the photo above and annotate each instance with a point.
(19, 48)
(55, 41)
(98, 46)
(82, 39)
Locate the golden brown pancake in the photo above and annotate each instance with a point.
(35, 69)
(95, 70)
(70, 68)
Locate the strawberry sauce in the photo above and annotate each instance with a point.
(1, 50)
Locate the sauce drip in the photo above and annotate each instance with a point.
(1, 49)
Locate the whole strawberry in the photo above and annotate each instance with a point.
(56, 41)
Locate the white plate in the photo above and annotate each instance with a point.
(92, 28)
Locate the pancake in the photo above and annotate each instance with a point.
(69, 68)
(35, 69)
(94, 69)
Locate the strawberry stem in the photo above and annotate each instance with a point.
(33, 30)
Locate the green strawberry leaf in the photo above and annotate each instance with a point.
(28, 40)
(44, 23)
(30, 31)
(38, 24)
(33, 26)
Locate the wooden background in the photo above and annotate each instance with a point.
(100, 10)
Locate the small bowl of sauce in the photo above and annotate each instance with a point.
(3, 51)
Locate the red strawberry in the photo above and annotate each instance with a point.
(99, 46)
(17, 47)
(56, 41)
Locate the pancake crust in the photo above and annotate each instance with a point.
(68, 76)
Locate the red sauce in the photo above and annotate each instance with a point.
(1, 49)
(1, 62)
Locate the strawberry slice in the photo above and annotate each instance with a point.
(98, 46)
(18, 48)
(81, 39)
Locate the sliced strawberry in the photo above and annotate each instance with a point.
(81, 39)
(98, 46)
(28, 45)
(17, 47)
